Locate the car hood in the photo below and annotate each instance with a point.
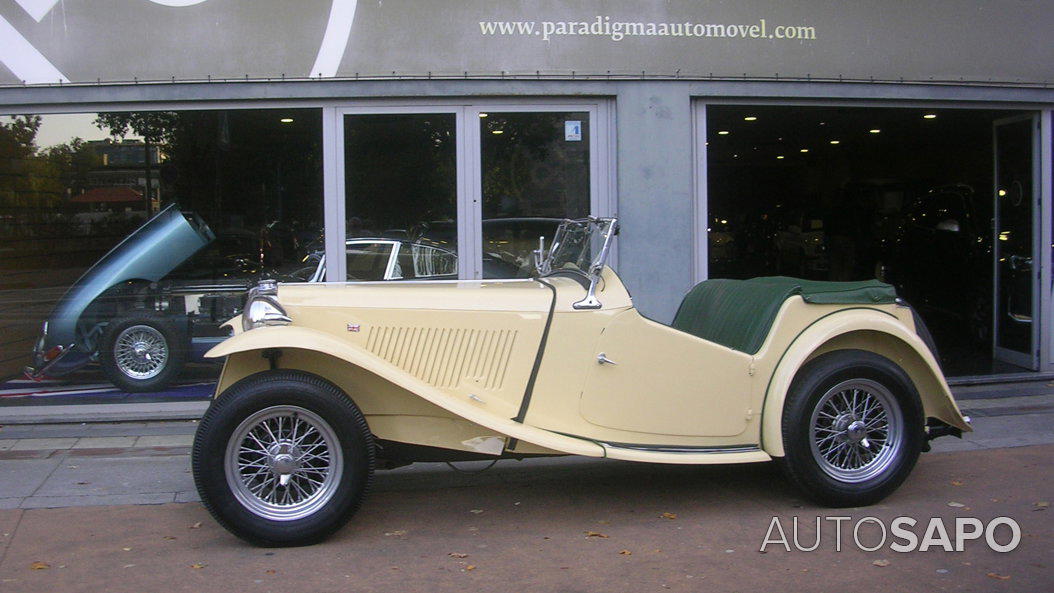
(148, 253)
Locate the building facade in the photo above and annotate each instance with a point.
(732, 139)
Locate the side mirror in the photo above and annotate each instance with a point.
(951, 225)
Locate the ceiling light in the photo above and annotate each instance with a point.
(804, 150)
(930, 116)
(1002, 193)
(779, 157)
(497, 131)
(286, 120)
(836, 141)
(750, 118)
(874, 131)
(483, 115)
(723, 133)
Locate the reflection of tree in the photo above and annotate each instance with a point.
(29, 185)
(530, 170)
(155, 127)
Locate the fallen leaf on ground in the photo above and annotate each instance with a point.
(595, 534)
(1042, 505)
(129, 566)
(470, 567)
(269, 571)
(396, 533)
(169, 537)
(38, 565)
(626, 553)
(195, 526)
(881, 563)
(997, 576)
(198, 565)
(956, 483)
(669, 515)
(457, 555)
(127, 549)
(476, 511)
(957, 505)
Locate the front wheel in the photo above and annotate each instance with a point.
(852, 428)
(282, 458)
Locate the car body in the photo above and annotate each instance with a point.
(382, 374)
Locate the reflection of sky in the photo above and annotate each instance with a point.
(63, 127)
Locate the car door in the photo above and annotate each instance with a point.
(655, 380)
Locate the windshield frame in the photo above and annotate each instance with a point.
(598, 232)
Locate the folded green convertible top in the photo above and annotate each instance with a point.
(739, 313)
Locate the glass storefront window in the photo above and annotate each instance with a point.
(231, 196)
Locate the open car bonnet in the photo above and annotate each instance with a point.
(148, 253)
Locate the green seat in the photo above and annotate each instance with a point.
(739, 313)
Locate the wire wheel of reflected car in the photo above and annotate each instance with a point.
(855, 432)
(141, 352)
(283, 463)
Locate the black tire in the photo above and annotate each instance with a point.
(157, 330)
(349, 474)
(817, 390)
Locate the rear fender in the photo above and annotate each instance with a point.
(332, 359)
(865, 329)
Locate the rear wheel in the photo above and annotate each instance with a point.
(283, 458)
(852, 428)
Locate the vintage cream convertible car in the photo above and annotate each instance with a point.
(325, 382)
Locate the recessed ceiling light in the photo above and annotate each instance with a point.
(930, 116)
(804, 150)
(286, 120)
(836, 141)
(779, 157)
(874, 131)
(483, 115)
(723, 133)
(750, 118)
(1002, 193)
(497, 131)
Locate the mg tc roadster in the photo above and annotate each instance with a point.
(323, 383)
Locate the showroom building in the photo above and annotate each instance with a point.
(732, 139)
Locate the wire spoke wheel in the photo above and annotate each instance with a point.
(855, 430)
(140, 352)
(283, 463)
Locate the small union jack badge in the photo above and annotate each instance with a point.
(353, 327)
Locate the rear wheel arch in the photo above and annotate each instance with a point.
(925, 376)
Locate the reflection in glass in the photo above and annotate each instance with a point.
(400, 183)
(235, 195)
(535, 168)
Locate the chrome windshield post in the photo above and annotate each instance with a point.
(595, 269)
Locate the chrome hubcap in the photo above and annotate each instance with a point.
(140, 352)
(856, 430)
(283, 463)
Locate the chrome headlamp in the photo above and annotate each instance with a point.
(262, 307)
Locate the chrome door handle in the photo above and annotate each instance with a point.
(601, 359)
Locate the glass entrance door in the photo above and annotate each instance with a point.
(400, 196)
(534, 172)
(1015, 326)
(458, 191)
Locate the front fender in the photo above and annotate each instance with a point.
(293, 337)
(865, 329)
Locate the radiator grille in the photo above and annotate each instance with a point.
(445, 356)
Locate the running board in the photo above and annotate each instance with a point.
(685, 455)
